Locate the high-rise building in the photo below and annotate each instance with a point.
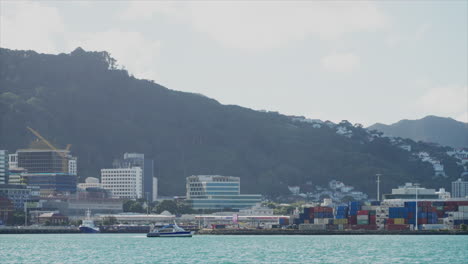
(4, 167)
(54, 171)
(459, 188)
(43, 160)
(218, 192)
(124, 183)
(138, 160)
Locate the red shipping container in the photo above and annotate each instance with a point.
(363, 212)
(390, 221)
(352, 220)
(372, 220)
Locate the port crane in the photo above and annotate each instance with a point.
(62, 154)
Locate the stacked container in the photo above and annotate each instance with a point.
(363, 217)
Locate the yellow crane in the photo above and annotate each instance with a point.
(60, 153)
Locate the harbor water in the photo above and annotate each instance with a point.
(137, 248)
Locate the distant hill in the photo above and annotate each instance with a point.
(442, 130)
(83, 99)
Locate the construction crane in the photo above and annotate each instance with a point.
(60, 153)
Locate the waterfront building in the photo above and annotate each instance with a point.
(257, 209)
(149, 182)
(90, 182)
(79, 204)
(19, 194)
(124, 183)
(6, 210)
(53, 219)
(4, 167)
(218, 192)
(408, 192)
(459, 188)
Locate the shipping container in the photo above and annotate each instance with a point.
(396, 227)
(312, 227)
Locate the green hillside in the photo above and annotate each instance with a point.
(82, 99)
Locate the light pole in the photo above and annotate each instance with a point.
(416, 223)
(378, 186)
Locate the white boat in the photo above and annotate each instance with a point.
(88, 225)
(172, 230)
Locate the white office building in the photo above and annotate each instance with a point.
(72, 166)
(459, 188)
(13, 161)
(126, 183)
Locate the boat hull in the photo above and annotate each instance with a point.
(85, 229)
(172, 234)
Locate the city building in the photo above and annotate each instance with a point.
(443, 194)
(257, 209)
(53, 171)
(459, 188)
(52, 219)
(149, 182)
(13, 160)
(4, 167)
(72, 166)
(408, 192)
(126, 183)
(51, 183)
(15, 176)
(44, 160)
(19, 194)
(218, 192)
(6, 210)
(90, 182)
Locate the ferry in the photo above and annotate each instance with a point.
(172, 230)
(88, 225)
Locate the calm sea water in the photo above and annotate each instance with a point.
(137, 248)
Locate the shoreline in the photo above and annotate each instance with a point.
(71, 230)
(316, 232)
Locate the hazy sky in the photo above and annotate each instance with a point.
(361, 61)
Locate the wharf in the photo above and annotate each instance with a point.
(324, 232)
(39, 230)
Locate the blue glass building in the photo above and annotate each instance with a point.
(218, 192)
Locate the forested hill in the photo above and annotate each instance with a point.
(82, 99)
(442, 130)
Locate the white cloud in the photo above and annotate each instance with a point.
(445, 101)
(341, 62)
(266, 25)
(30, 25)
(131, 49)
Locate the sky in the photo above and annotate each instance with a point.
(361, 61)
